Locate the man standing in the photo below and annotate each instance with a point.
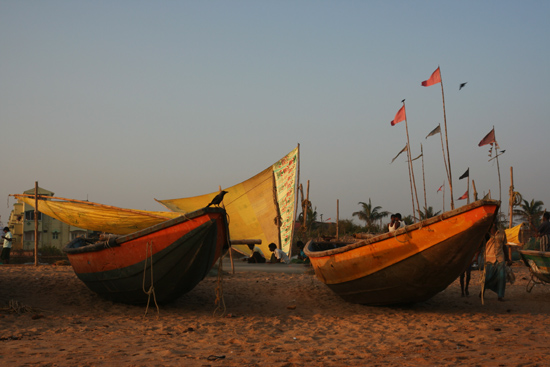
(6, 249)
(543, 232)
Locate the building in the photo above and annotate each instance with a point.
(51, 232)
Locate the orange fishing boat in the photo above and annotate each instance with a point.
(165, 260)
(409, 265)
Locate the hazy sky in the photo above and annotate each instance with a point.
(120, 102)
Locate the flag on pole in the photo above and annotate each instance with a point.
(465, 196)
(412, 160)
(434, 79)
(398, 154)
(437, 130)
(399, 116)
(488, 139)
(465, 174)
(441, 188)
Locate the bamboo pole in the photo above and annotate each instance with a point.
(411, 168)
(424, 178)
(511, 207)
(36, 223)
(511, 197)
(337, 217)
(469, 185)
(447, 143)
(498, 168)
(475, 192)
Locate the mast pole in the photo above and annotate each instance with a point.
(411, 167)
(423, 178)
(36, 223)
(447, 143)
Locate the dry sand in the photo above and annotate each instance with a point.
(272, 318)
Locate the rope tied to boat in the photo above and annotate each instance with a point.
(151, 290)
(220, 301)
(405, 234)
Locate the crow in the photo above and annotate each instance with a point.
(217, 199)
(462, 85)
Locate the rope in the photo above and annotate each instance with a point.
(151, 288)
(405, 234)
(220, 301)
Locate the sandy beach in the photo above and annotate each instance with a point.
(278, 315)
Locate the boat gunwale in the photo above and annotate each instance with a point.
(398, 232)
(535, 253)
(119, 240)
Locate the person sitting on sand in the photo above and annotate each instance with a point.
(496, 260)
(278, 255)
(257, 255)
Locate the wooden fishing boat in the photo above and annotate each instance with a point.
(538, 263)
(409, 265)
(165, 260)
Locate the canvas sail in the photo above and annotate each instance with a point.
(262, 207)
(96, 217)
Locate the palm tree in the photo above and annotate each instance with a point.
(370, 214)
(530, 212)
(428, 213)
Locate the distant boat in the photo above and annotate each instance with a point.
(409, 265)
(538, 263)
(170, 258)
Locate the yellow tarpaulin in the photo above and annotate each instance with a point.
(515, 235)
(97, 217)
(262, 207)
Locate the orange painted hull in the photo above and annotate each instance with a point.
(409, 265)
(173, 257)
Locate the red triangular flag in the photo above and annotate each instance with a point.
(399, 116)
(488, 139)
(434, 79)
(465, 196)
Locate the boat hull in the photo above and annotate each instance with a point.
(170, 258)
(538, 263)
(410, 265)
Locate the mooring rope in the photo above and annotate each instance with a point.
(220, 301)
(151, 287)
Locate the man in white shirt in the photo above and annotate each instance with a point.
(6, 248)
(278, 254)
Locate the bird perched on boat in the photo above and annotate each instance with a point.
(217, 199)
(462, 85)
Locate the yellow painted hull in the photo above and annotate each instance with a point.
(409, 265)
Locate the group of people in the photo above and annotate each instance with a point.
(277, 255)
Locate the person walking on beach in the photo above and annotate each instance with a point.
(543, 232)
(496, 259)
(6, 248)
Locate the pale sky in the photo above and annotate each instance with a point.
(120, 102)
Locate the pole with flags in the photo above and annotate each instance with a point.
(434, 79)
(442, 188)
(402, 116)
(437, 130)
(467, 175)
(490, 138)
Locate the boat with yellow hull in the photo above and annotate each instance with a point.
(409, 265)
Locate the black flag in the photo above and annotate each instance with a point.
(465, 174)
